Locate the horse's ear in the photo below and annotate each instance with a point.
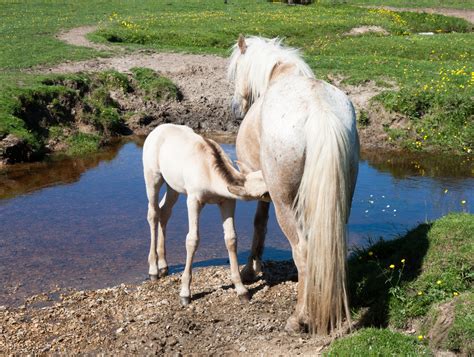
(242, 44)
(243, 168)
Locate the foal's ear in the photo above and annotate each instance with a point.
(242, 44)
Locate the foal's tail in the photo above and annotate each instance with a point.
(322, 208)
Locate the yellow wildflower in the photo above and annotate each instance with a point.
(392, 266)
(371, 253)
(455, 293)
(439, 282)
(403, 261)
(420, 293)
(420, 337)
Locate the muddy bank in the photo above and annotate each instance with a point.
(148, 319)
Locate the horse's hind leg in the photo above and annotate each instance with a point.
(254, 263)
(227, 211)
(286, 220)
(192, 242)
(153, 183)
(166, 207)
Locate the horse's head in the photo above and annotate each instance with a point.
(252, 64)
(241, 100)
(253, 187)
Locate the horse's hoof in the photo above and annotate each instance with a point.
(185, 300)
(244, 298)
(293, 326)
(163, 272)
(153, 277)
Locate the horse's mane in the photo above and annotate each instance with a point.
(259, 60)
(223, 165)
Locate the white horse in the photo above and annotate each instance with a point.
(301, 132)
(199, 168)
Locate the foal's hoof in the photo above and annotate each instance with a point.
(163, 272)
(248, 275)
(185, 301)
(244, 298)
(153, 277)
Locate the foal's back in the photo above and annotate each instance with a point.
(178, 154)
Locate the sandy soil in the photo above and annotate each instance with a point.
(357, 31)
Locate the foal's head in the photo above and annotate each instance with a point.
(251, 65)
(252, 188)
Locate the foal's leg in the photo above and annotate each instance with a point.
(227, 211)
(166, 207)
(192, 241)
(254, 263)
(153, 183)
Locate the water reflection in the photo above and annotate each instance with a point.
(82, 223)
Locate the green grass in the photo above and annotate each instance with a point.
(407, 282)
(155, 86)
(394, 283)
(455, 4)
(377, 342)
(461, 336)
(458, 335)
(82, 144)
(411, 61)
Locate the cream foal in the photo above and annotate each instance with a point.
(199, 168)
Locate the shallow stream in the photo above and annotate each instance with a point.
(81, 223)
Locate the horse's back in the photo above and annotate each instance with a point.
(288, 105)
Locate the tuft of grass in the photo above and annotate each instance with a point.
(155, 86)
(363, 119)
(112, 79)
(377, 342)
(82, 144)
(450, 325)
(461, 335)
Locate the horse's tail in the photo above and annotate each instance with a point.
(322, 208)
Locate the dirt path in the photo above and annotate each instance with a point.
(202, 80)
(77, 37)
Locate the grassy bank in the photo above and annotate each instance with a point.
(432, 75)
(74, 114)
(422, 283)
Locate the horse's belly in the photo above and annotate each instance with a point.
(248, 138)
